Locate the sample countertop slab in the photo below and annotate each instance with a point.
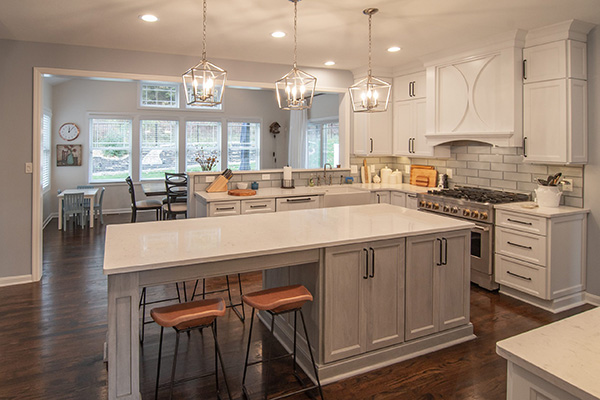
(546, 212)
(565, 353)
(153, 245)
(271, 192)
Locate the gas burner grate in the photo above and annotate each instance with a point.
(480, 195)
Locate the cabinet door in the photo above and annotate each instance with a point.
(381, 197)
(454, 281)
(398, 199)
(545, 62)
(403, 128)
(420, 146)
(384, 302)
(345, 277)
(412, 201)
(545, 121)
(408, 87)
(373, 133)
(422, 254)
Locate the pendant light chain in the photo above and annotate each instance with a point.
(204, 31)
(295, 31)
(369, 73)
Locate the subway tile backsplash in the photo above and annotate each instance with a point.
(481, 165)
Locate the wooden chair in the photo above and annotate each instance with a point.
(149, 204)
(73, 206)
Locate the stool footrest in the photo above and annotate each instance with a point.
(270, 359)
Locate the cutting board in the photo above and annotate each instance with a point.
(426, 176)
(241, 192)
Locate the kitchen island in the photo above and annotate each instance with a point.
(389, 283)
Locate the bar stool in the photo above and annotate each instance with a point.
(232, 305)
(278, 301)
(186, 317)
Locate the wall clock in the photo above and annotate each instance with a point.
(69, 131)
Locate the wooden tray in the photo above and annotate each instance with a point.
(241, 192)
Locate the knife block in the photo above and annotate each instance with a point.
(218, 185)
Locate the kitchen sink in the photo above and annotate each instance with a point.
(337, 196)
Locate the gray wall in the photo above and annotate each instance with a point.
(74, 99)
(591, 194)
(16, 106)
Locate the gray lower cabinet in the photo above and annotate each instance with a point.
(364, 298)
(437, 283)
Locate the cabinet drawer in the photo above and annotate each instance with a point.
(258, 206)
(221, 208)
(525, 246)
(521, 275)
(521, 222)
(297, 203)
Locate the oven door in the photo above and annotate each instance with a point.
(482, 248)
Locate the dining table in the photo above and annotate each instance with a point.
(155, 188)
(89, 193)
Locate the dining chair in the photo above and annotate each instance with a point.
(98, 205)
(177, 179)
(73, 206)
(149, 204)
(174, 205)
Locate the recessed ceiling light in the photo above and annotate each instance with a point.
(148, 18)
(394, 49)
(329, 63)
(278, 34)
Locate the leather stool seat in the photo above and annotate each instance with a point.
(186, 315)
(278, 299)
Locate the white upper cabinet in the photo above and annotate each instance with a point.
(373, 133)
(477, 95)
(409, 87)
(409, 131)
(555, 94)
(556, 60)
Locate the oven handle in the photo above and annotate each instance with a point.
(481, 228)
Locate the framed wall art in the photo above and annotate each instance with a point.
(68, 155)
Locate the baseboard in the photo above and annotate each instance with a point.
(554, 306)
(16, 280)
(592, 299)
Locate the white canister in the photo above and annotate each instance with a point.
(385, 174)
(396, 177)
(548, 196)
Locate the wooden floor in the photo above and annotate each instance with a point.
(52, 333)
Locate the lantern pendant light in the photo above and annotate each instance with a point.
(204, 84)
(370, 94)
(296, 89)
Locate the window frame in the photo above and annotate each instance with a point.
(205, 109)
(222, 139)
(91, 148)
(175, 85)
(321, 122)
(259, 139)
(144, 117)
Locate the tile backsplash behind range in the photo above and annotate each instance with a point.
(483, 165)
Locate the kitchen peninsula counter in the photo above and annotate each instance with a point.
(304, 245)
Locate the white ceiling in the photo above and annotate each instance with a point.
(327, 29)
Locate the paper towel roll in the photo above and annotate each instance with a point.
(287, 173)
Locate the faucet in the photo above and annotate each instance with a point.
(325, 173)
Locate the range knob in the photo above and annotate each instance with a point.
(475, 214)
(483, 216)
(447, 209)
(454, 210)
(466, 212)
(429, 204)
(436, 206)
(422, 203)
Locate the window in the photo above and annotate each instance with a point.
(323, 144)
(158, 148)
(162, 95)
(110, 148)
(46, 149)
(243, 145)
(202, 137)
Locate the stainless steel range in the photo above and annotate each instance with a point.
(475, 205)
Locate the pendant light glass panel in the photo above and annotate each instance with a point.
(296, 89)
(370, 94)
(204, 84)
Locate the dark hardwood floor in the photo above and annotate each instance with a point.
(52, 335)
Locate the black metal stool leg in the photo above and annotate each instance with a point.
(295, 334)
(268, 357)
(178, 294)
(143, 305)
(174, 364)
(247, 354)
(241, 294)
(194, 292)
(159, 358)
(218, 353)
(312, 358)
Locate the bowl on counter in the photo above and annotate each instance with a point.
(242, 185)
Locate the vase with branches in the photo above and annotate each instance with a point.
(207, 159)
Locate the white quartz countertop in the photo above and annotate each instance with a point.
(153, 245)
(272, 192)
(565, 353)
(526, 208)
